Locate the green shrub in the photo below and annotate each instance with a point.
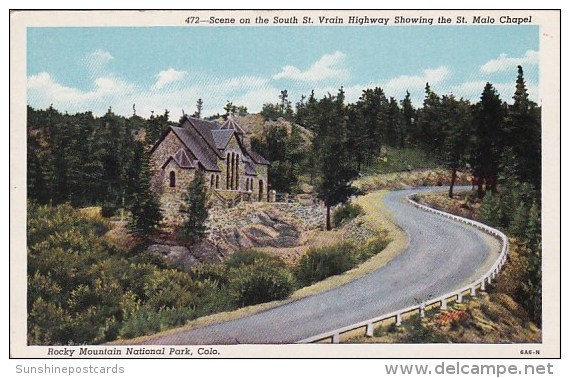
(262, 281)
(320, 263)
(216, 272)
(420, 333)
(372, 247)
(345, 213)
(248, 257)
(148, 321)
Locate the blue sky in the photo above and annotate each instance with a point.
(157, 68)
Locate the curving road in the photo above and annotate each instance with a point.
(442, 256)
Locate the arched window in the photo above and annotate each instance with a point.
(233, 176)
(237, 172)
(217, 181)
(212, 181)
(228, 171)
(172, 179)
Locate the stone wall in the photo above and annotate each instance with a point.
(168, 147)
(306, 217)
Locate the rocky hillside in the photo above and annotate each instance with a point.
(280, 226)
(255, 124)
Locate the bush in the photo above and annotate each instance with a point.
(320, 263)
(248, 257)
(420, 333)
(345, 213)
(372, 247)
(216, 273)
(147, 321)
(262, 281)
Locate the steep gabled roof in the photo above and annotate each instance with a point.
(231, 124)
(204, 129)
(222, 138)
(250, 169)
(206, 140)
(257, 158)
(183, 160)
(199, 148)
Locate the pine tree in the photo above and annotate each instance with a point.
(199, 106)
(490, 211)
(519, 222)
(533, 282)
(369, 119)
(455, 118)
(145, 207)
(430, 132)
(195, 209)
(330, 144)
(489, 139)
(394, 135)
(524, 133)
(409, 121)
(36, 185)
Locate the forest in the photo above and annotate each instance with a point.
(82, 289)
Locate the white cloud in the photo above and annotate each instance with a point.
(100, 56)
(403, 83)
(96, 62)
(43, 91)
(505, 63)
(251, 91)
(329, 66)
(164, 78)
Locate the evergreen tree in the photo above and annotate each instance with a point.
(270, 111)
(430, 131)
(524, 134)
(156, 126)
(330, 144)
(534, 274)
(195, 209)
(199, 106)
(145, 207)
(394, 132)
(409, 121)
(491, 210)
(371, 123)
(455, 118)
(36, 185)
(357, 137)
(488, 141)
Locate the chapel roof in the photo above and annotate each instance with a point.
(206, 140)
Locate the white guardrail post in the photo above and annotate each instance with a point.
(334, 336)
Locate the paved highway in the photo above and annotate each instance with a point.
(442, 256)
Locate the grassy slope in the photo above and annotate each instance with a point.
(492, 317)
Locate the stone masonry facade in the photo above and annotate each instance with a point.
(231, 170)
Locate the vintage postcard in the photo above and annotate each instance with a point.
(362, 184)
